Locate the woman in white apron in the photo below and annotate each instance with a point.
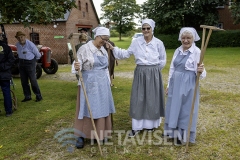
(93, 63)
(147, 95)
(180, 89)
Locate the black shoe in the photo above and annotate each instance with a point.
(80, 143)
(26, 99)
(150, 130)
(102, 142)
(179, 142)
(39, 98)
(133, 133)
(9, 114)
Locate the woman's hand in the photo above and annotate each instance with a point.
(108, 45)
(77, 66)
(200, 68)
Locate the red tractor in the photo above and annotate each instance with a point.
(48, 64)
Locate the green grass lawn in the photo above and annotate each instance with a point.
(29, 132)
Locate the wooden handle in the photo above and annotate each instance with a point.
(210, 27)
(73, 34)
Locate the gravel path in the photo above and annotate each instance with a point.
(224, 80)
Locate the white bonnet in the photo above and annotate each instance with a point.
(150, 22)
(101, 31)
(189, 29)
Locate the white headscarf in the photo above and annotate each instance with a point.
(101, 31)
(150, 22)
(190, 29)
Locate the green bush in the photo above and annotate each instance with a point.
(170, 41)
(114, 33)
(225, 39)
(217, 39)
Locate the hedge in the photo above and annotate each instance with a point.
(217, 39)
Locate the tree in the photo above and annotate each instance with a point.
(33, 11)
(121, 13)
(235, 10)
(171, 15)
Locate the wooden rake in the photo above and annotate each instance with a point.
(203, 50)
(70, 37)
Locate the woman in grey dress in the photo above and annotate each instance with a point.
(93, 63)
(180, 89)
(147, 95)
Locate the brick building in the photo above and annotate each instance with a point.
(225, 19)
(55, 35)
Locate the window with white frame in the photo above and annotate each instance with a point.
(230, 2)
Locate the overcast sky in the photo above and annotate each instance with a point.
(98, 7)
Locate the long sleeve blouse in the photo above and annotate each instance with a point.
(191, 63)
(86, 59)
(152, 53)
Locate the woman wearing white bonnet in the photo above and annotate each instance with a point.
(93, 63)
(190, 30)
(147, 96)
(180, 88)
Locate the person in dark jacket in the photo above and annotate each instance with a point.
(83, 38)
(6, 61)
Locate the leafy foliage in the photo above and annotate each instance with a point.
(218, 39)
(235, 10)
(121, 13)
(171, 15)
(32, 11)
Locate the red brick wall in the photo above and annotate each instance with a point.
(47, 32)
(46, 37)
(226, 19)
(81, 17)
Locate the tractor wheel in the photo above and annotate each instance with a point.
(53, 67)
(38, 71)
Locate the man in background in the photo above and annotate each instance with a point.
(28, 55)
